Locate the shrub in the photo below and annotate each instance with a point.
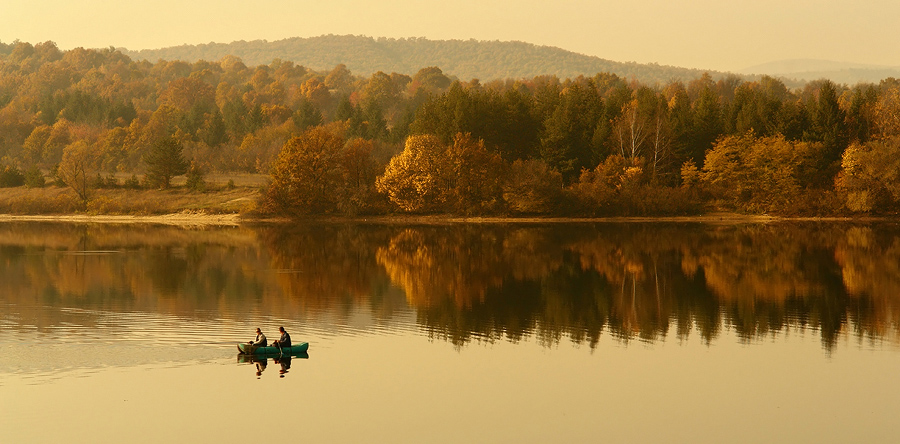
(659, 201)
(34, 178)
(10, 176)
(195, 180)
(98, 182)
(133, 183)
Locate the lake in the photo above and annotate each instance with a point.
(495, 333)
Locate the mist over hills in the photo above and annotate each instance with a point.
(464, 59)
(814, 69)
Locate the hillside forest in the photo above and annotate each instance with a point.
(465, 59)
(336, 143)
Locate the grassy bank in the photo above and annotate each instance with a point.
(59, 201)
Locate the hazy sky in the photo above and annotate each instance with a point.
(708, 34)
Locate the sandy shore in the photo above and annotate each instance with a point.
(182, 219)
(193, 218)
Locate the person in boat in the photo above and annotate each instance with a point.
(260, 339)
(284, 341)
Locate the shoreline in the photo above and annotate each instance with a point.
(199, 218)
(182, 219)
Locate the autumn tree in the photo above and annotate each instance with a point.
(759, 174)
(306, 176)
(340, 79)
(415, 180)
(77, 169)
(532, 187)
(641, 131)
(359, 170)
(598, 188)
(431, 79)
(476, 175)
(887, 109)
(870, 175)
(634, 127)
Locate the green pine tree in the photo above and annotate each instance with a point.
(165, 161)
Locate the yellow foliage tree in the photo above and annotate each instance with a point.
(870, 175)
(77, 168)
(415, 179)
(758, 174)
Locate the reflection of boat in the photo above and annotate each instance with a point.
(244, 358)
(262, 361)
(248, 349)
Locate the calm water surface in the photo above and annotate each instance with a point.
(786, 332)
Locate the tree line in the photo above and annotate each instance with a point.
(336, 143)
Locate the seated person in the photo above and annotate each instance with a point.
(260, 339)
(284, 341)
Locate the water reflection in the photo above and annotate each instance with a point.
(260, 363)
(469, 281)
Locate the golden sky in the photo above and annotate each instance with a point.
(706, 34)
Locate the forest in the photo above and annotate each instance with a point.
(465, 59)
(336, 143)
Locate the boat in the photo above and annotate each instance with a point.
(295, 349)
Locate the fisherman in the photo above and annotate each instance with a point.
(284, 341)
(260, 339)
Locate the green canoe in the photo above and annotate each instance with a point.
(295, 349)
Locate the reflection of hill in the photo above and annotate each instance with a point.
(634, 281)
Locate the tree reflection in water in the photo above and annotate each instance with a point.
(489, 282)
(469, 282)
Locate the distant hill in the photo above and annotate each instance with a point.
(465, 59)
(812, 69)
